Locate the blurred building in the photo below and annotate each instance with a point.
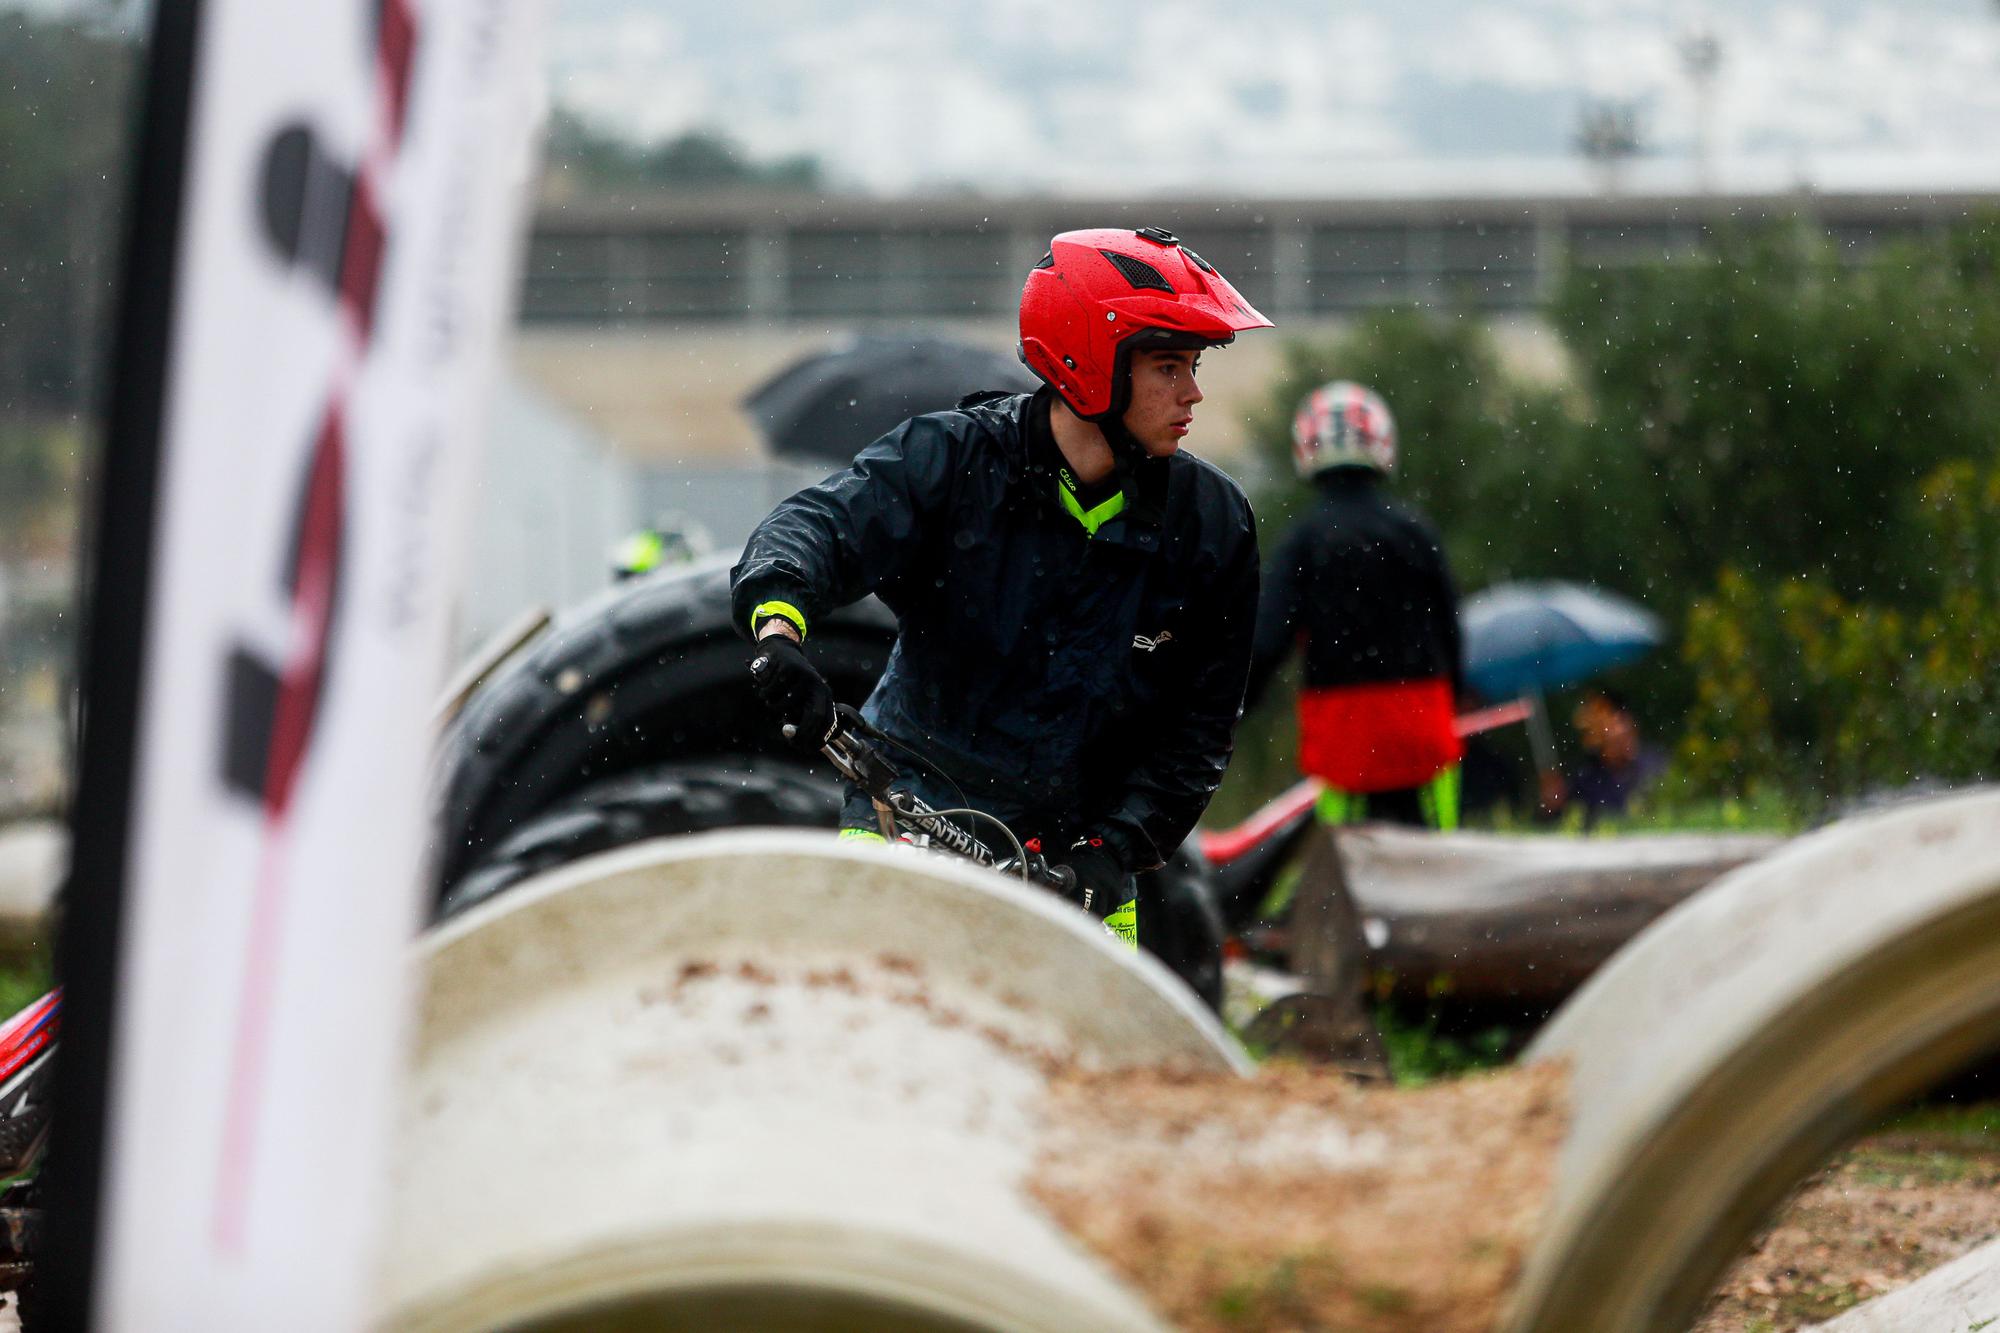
(656, 317)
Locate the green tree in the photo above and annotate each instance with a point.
(1802, 688)
(63, 142)
(1775, 408)
(598, 160)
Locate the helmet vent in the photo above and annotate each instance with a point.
(1046, 261)
(1138, 272)
(1199, 262)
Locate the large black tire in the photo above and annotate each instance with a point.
(668, 800)
(650, 671)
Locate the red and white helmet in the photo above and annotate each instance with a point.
(1343, 424)
(1097, 295)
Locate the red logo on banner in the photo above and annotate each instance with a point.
(325, 219)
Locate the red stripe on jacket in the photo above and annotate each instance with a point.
(1378, 737)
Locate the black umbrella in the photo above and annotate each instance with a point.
(829, 406)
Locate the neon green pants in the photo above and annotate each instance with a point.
(1435, 803)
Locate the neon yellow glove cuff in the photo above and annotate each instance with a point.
(784, 610)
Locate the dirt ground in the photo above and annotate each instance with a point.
(1299, 1201)
(1880, 1215)
(1225, 1201)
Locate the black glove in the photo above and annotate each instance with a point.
(791, 688)
(1102, 884)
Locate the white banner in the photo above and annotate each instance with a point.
(355, 183)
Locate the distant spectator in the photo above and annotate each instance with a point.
(669, 541)
(1617, 765)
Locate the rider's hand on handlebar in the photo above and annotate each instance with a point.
(791, 688)
(1098, 875)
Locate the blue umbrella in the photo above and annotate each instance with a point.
(1521, 639)
(1526, 637)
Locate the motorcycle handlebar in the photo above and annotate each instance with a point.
(847, 746)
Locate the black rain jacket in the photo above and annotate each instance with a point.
(1071, 685)
(1364, 580)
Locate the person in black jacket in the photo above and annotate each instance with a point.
(1075, 595)
(1360, 583)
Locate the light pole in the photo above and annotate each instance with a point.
(1607, 135)
(1701, 56)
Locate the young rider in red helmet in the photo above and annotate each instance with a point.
(1075, 594)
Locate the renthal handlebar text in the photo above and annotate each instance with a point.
(848, 749)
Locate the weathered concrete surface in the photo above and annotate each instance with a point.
(1961, 1297)
(1744, 1036)
(759, 1067)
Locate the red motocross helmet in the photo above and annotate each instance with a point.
(1099, 294)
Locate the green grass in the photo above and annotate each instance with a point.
(1283, 1295)
(1673, 808)
(1817, 1300)
(1419, 1053)
(1672, 811)
(22, 983)
(1379, 1298)
(1944, 1143)
(1887, 1169)
(1975, 1120)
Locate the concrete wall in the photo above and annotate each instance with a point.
(550, 498)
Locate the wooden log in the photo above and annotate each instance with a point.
(1327, 945)
(1329, 1024)
(1535, 951)
(1492, 918)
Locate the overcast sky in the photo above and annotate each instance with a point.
(1295, 96)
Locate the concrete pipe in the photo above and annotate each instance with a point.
(761, 1080)
(1747, 1034)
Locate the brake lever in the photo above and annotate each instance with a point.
(848, 750)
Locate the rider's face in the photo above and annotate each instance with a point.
(1163, 397)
